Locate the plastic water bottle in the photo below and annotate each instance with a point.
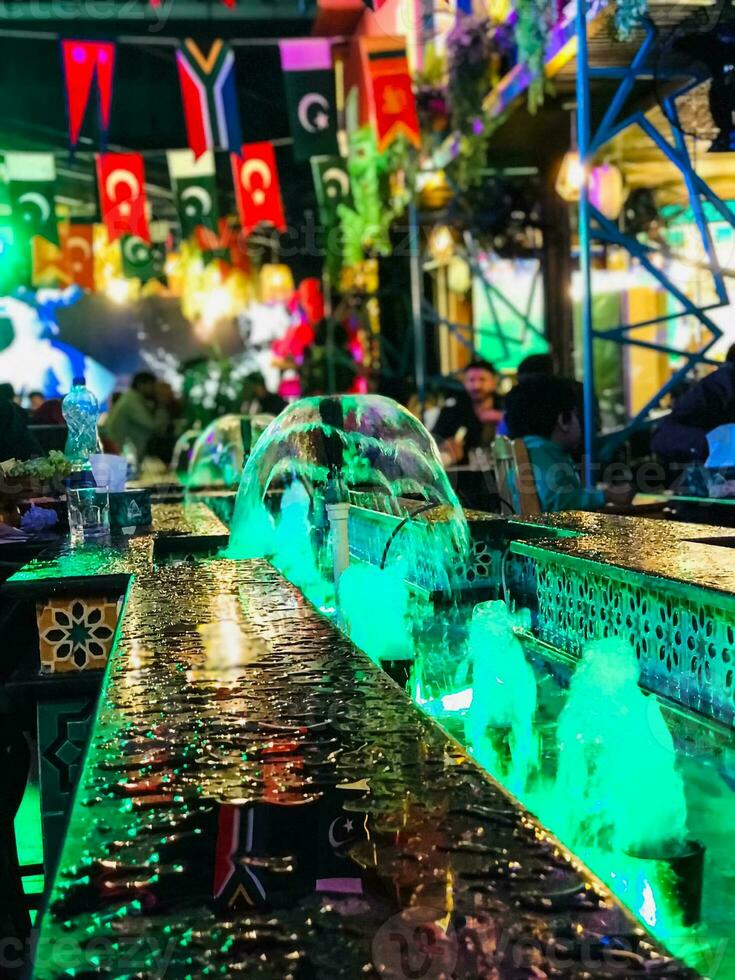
(81, 411)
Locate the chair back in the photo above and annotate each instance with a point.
(513, 472)
(503, 466)
(525, 480)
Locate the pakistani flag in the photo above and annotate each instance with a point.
(195, 187)
(141, 260)
(332, 186)
(31, 181)
(308, 77)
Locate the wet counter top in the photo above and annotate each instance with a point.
(61, 569)
(694, 555)
(259, 800)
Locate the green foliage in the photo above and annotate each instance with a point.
(533, 28)
(213, 388)
(43, 468)
(380, 184)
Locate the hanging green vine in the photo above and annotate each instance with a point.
(533, 29)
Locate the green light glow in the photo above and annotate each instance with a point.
(503, 698)
(374, 604)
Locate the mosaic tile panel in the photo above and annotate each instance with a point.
(63, 732)
(370, 532)
(75, 634)
(685, 642)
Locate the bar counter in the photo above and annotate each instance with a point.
(258, 799)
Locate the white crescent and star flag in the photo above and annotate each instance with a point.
(308, 77)
(121, 185)
(31, 181)
(195, 185)
(257, 187)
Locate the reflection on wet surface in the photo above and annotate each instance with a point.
(260, 800)
(650, 547)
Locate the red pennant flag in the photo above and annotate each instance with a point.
(257, 188)
(121, 181)
(391, 94)
(77, 244)
(80, 60)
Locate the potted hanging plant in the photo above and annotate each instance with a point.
(478, 54)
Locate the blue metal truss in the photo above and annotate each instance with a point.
(595, 227)
(496, 299)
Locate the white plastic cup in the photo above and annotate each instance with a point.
(109, 471)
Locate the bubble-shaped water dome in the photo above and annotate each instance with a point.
(221, 449)
(366, 450)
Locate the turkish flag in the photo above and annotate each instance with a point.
(121, 181)
(257, 188)
(77, 245)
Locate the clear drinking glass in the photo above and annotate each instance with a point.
(89, 514)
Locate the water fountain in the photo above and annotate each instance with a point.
(392, 643)
(348, 498)
(617, 764)
(503, 706)
(220, 450)
(348, 453)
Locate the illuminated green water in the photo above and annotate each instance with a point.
(597, 763)
(503, 702)
(606, 775)
(374, 605)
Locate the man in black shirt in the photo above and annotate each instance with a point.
(681, 437)
(469, 421)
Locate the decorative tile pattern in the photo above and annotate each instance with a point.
(685, 642)
(75, 634)
(63, 732)
(435, 563)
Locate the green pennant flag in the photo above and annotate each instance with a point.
(332, 186)
(31, 188)
(141, 260)
(308, 78)
(195, 186)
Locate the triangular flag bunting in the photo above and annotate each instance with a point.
(310, 94)
(392, 102)
(121, 182)
(209, 97)
(31, 187)
(81, 61)
(195, 186)
(257, 188)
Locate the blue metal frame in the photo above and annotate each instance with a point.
(493, 295)
(593, 226)
(584, 144)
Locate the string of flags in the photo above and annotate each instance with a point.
(209, 97)
(208, 94)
